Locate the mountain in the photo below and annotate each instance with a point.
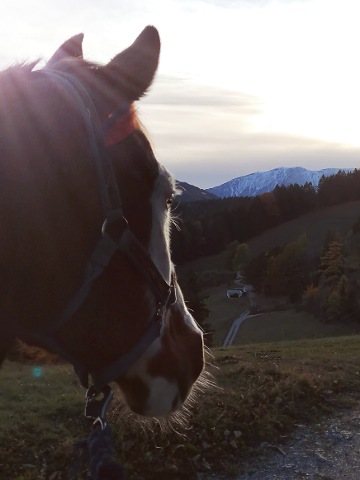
(190, 193)
(260, 182)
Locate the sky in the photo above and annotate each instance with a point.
(242, 85)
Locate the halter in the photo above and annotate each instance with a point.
(109, 243)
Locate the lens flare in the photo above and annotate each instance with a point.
(37, 372)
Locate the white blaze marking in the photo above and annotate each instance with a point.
(162, 396)
(159, 247)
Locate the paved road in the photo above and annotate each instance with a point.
(230, 337)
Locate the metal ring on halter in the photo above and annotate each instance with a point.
(121, 225)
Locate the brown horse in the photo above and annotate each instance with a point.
(81, 190)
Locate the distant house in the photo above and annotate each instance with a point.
(236, 292)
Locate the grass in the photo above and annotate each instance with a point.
(263, 391)
(267, 327)
(39, 418)
(288, 325)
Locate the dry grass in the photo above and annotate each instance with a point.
(263, 391)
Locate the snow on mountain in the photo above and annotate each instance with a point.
(260, 182)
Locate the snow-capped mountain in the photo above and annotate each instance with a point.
(260, 182)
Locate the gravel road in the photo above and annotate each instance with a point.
(329, 450)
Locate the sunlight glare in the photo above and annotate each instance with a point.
(299, 58)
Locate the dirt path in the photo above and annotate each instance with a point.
(329, 450)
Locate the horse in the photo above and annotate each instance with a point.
(85, 211)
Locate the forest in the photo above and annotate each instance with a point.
(207, 227)
(325, 284)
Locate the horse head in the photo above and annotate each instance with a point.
(52, 208)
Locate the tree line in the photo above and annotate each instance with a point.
(207, 227)
(326, 285)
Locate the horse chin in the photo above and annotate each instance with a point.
(159, 399)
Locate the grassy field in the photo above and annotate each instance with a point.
(288, 325)
(272, 326)
(263, 391)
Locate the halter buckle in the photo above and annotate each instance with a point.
(97, 403)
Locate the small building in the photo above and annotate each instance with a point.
(235, 292)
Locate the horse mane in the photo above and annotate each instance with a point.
(20, 67)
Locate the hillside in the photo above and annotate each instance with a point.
(222, 312)
(316, 224)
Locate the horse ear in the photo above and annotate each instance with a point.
(132, 71)
(70, 48)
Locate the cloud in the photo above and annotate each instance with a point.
(206, 135)
(177, 109)
(299, 76)
(173, 91)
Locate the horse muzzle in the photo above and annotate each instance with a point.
(161, 381)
